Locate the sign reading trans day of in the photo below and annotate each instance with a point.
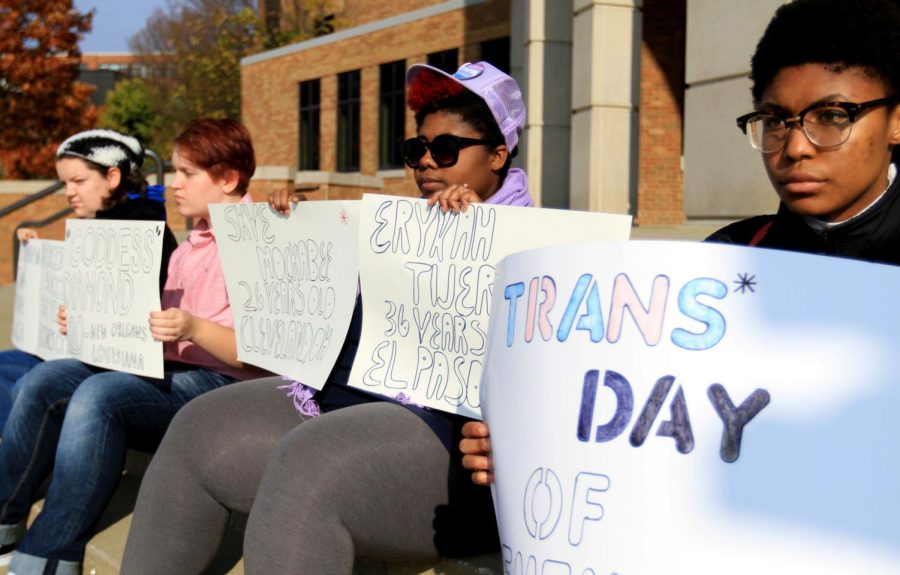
(112, 284)
(292, 281)
(427, 278)
(40, 291)
(694, 409)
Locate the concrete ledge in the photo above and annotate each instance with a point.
(353, 179)
(25, 186)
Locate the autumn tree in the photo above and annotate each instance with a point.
(192, 52)
(290, 21)
(41, 100)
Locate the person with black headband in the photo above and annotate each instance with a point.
(101, 174)
(73, 422)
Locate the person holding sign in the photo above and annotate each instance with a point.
(353, 475)
(826, 81)
(75, 421)
(101, 172)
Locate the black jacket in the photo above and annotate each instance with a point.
(872, 236)
(145, 210)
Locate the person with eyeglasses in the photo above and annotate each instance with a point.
(826, 122)
(825, 80)
(337, 474)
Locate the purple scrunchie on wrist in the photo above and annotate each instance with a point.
(302, 395)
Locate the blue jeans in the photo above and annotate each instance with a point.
(14, 364)
(78, 420)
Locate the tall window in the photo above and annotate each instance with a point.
(391, 114)
(348, 122)
(497, 53)
(446, 60)
(309, 125)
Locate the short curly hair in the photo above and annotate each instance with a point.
(839, 34)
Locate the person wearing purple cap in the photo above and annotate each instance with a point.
(468, 127)
(334, 475)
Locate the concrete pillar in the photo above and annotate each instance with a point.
(541, 57)
(606, 42)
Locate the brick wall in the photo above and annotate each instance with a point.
(359, 13)
(35, 211)
(270, 93)
(660, 181)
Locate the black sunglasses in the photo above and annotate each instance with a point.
(444, 149)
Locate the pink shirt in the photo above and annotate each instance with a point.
(196, 284)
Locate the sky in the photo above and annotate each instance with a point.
(115, 21)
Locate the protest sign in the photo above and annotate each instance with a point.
(40, 291)
(694, 409)
(292, 282)
(427, 278)
(112, 284)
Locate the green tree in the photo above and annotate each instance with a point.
(128, 109)
(192, 50)
(41, 101)
(192, 53)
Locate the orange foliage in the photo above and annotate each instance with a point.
(41, 101)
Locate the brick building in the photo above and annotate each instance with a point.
(605, 82)
(104, 70)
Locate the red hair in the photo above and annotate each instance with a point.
(219, 146)
(428, 87)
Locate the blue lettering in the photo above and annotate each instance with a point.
(689, 306)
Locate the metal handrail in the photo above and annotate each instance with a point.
(30, 199)
(159, 167)
(33, 224)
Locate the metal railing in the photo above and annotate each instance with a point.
(159, 167)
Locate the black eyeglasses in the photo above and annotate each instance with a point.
(444, 149)
(826, 124)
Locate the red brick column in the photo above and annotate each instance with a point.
(660, 116)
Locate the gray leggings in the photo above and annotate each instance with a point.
(362, 481)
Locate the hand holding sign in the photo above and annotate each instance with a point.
(172, 324)
(476, 449)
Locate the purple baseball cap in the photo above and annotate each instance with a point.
(498, 90)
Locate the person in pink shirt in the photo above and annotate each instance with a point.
(74, 422)
(337, 474)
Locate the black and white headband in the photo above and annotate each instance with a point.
(106, 148)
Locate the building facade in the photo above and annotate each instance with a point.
(630, 102)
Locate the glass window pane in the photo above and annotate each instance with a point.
(391, 114)
(348, 121)
(309, 125)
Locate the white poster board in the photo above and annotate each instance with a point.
(112, 285)
(292, 282)
(426, 278)
(694, 409)
(40, 290)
